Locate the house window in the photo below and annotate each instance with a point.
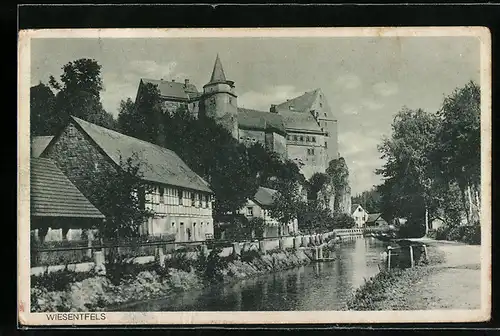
(253, 140)
(301, 138)
(179, 193)
(241, 138)
(193, 202)
(207, 200)
(313, 139)
(250, 211)
(326, 144)
(162, 195)
(321, 105)
(295, 138)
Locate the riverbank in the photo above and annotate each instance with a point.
(98, 293)
(451, 280)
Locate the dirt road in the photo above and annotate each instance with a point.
(453, 284)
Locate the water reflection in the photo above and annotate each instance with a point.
(318, 286)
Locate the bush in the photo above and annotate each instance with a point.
(472, 234)
(59, 280)
(469, 234)
(215, 265)
(413, 228)
(250, 255)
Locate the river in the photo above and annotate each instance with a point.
(317, 286)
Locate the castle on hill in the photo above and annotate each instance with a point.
(302, 129)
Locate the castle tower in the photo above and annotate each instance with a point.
(220, 100)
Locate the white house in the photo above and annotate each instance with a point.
(359, 215)
(258, 207)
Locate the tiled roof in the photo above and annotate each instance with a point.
(218, 72)
(38, 144)
(354, 207)
(300, 122)
(373, 217)
(53, 194)
(299, 104)
(157, 164)
(261, 120)
(264, 196)
(173, 89)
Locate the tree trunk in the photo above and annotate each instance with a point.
(464, 204)
(426, 221)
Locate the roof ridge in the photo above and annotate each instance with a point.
(137, 139)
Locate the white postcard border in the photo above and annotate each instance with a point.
(27, 318)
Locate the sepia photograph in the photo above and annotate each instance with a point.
(214, 176)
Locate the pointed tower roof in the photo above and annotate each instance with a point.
(218, 72)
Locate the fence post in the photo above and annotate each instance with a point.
(389, 258)
(412, 262)
(89, 244)
(262, 246)
(425, 251)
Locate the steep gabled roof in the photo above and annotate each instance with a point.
(177, 90)
(157, 164)
(354, 207)
(260, 120)
(298, 121)
(53, 195)
(300, 104)
(264, 196)
(373, 217)
(38, 144)
(218, 72)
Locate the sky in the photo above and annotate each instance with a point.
(366, 80)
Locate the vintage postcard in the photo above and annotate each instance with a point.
(254, 176)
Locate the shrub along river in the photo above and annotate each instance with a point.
(317, 286)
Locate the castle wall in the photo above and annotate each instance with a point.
(310, 156)
(277, 143)
(250, 137)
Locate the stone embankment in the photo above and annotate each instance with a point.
(97, 293)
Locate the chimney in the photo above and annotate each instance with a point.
(273, 108)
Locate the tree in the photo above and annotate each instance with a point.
(408, 173)
(342, 221)
(43, 119)
(78, 94)
(148, 116)
(128, 120)
(119, 194)
(369, 200)
(316, 183)
(459, 145)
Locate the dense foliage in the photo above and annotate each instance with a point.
(432, 167)
(370, 200)
(77, 94)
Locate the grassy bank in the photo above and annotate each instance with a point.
(67, 291)
(373, 295)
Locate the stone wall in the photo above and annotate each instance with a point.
(77, 157)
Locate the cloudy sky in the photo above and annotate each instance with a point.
(365, 79)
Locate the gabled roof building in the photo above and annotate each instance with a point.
(180, 199)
